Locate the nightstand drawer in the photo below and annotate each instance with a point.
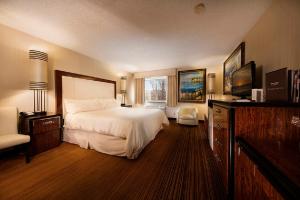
(45, 125)
(45, 141)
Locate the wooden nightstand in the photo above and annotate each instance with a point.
(45, 131)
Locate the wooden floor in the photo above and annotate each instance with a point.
(178, 164)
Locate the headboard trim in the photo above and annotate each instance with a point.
(58, 86)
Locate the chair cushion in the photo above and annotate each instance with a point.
(188, 121)
(10, 140)
(186, 116)
(8, 120)
(187, 110)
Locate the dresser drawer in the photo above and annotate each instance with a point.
(221, 141)
(220, 117)
(45, 125)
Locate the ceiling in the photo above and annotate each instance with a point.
(138, 35)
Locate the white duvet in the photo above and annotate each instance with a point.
(138, 126)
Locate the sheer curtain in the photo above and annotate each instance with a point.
(139, 90)
(172, 101)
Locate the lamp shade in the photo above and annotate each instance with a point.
(211, 83)
(38, 70)
(123, 84)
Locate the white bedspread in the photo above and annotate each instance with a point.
(138, 126)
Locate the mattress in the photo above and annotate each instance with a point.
(129, 129)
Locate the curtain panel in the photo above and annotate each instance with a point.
(139, 90)
(172, 92)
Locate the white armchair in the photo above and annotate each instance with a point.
(187, 116)
(9, 136)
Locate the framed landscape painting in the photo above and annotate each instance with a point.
(192, 86)
(234, 62)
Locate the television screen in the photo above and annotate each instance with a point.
(243, 80)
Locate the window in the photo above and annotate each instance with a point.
(156, 89)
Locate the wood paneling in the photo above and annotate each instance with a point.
(278, 162)
(269, 130)
(270, 127)
(250, 183)
(268, 123)
(178, 164)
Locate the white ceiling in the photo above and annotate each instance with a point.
(138, 35)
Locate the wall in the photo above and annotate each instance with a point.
(274, 41)
(14, 64)
(162, 72)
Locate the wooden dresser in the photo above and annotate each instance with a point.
(45, 131)
(221, 141)
(267, 169)
(258, 123)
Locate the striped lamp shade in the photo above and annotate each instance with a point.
(211, 83)
(123, 84)
(38, 70)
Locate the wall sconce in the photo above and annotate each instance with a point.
(123, 86)
(39, 80)
(211, 84)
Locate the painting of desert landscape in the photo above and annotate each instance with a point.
(192, 85)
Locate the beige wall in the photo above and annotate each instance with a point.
(162, 72)
(274, 42)
(14, 64)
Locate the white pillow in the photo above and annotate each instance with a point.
(73, 106)
(109, 103)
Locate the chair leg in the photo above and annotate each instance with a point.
(27, 153)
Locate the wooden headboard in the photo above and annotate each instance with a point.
(59, 86)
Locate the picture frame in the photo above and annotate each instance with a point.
(234, 62)
(192, 86)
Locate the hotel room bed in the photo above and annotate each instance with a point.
(94, 119)
(116, 131)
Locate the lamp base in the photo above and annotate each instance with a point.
(40, 113)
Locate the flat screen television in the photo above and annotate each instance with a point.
(243, 80)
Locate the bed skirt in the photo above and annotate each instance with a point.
(102, 143)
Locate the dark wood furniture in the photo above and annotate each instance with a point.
(256, 121)
(267, 169)
(221, 141)
(22, 147)
(128, 106)
(45, 131)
